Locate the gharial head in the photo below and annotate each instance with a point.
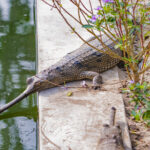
(44, 80)
(36, 84)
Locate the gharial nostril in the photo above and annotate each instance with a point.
(30, 80)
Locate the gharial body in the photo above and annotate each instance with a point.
(83, 63)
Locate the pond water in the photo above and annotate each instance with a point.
(17, 62)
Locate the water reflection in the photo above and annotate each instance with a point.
(17, 62)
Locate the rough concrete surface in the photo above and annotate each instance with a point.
(72, 123)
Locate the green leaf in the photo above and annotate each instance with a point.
(132, 30)
(126, 65)
(110, 19)
(136, 115)
(87, 26)
(89, 17)
(130, 22)
(127, 59)
(133, 113)
(148, 124)
(146, 115)
(131, 87)
(130, 6)
(118, 46)
(121, 4)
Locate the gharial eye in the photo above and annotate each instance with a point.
(29, 80)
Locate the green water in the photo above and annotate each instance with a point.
(17, 62)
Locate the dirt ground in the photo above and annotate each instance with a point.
(139, 133)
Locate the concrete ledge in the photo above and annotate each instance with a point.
(71, 123)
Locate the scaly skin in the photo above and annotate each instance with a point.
(83, 63)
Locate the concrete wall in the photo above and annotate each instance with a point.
(71, 123)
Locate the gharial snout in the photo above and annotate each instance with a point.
(35, 84)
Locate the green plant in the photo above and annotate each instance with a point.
(140, 96)
(127, 26)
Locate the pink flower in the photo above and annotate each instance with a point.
(93, 19)
(98, 8)
(84, 84)
(131, 82)
(108, 1)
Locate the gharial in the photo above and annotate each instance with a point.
(83, 63)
